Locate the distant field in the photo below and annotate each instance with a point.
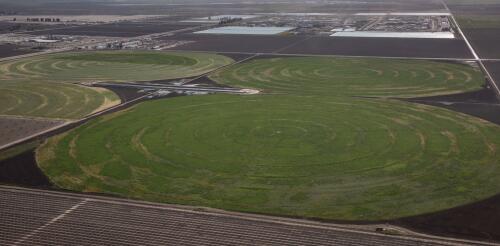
(352, 77)
(479, 21)
(306, 147)
(112, 66)
(44, 86)
(52, 100)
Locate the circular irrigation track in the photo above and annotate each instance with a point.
(112, 66)
(347, 76)
(43, 86)
(320, 157)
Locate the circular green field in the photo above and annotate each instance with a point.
(347, 76)
(53, 100)
(112, 66)
(38, 86)
(325, 157)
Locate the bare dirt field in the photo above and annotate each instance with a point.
(22, 170)
(125, 94)
(482, 104)
(387, 47)
(395, 47)
(9, 27)
(485, 41)
(494, 69)
(478, 220)
(473, 7)
(7, 50)
(122, 29)
(15, 128)
(235, 43)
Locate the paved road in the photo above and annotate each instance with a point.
(152, 86)
(36, 217)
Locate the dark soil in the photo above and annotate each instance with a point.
(235, 43)
(489, 112)
(10, 27)
(494, 70)
(388, 47)
(121, 29)
(472, 8)
(483, 103)
(478, 220)
(485, 95)
(23, 170)
(236, 56)
(7, 50)
(205, 81)
(125, 94)
(485, 41)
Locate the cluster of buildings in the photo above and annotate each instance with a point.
(41, 19)
(328, 24)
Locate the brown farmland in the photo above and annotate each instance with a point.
(14, 128)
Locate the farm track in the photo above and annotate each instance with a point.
(35, 217)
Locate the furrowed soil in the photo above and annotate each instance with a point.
(16, 128)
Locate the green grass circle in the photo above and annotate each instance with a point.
(44, 86)
(352, 77)
(322, 157)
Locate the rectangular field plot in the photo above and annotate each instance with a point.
(366, 34)
(118, 29)
(494, 69)
(16, 128)
(7, 50)
(236, 43)
(246, 30)
(485, 41)
(113, 222)
(385, 47)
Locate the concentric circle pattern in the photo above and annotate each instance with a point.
(52, 100)
(347, 76)
(41, 86)
(325, 157)
(111, 66)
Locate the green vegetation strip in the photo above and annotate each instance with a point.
(44, 86)
(308, 147)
